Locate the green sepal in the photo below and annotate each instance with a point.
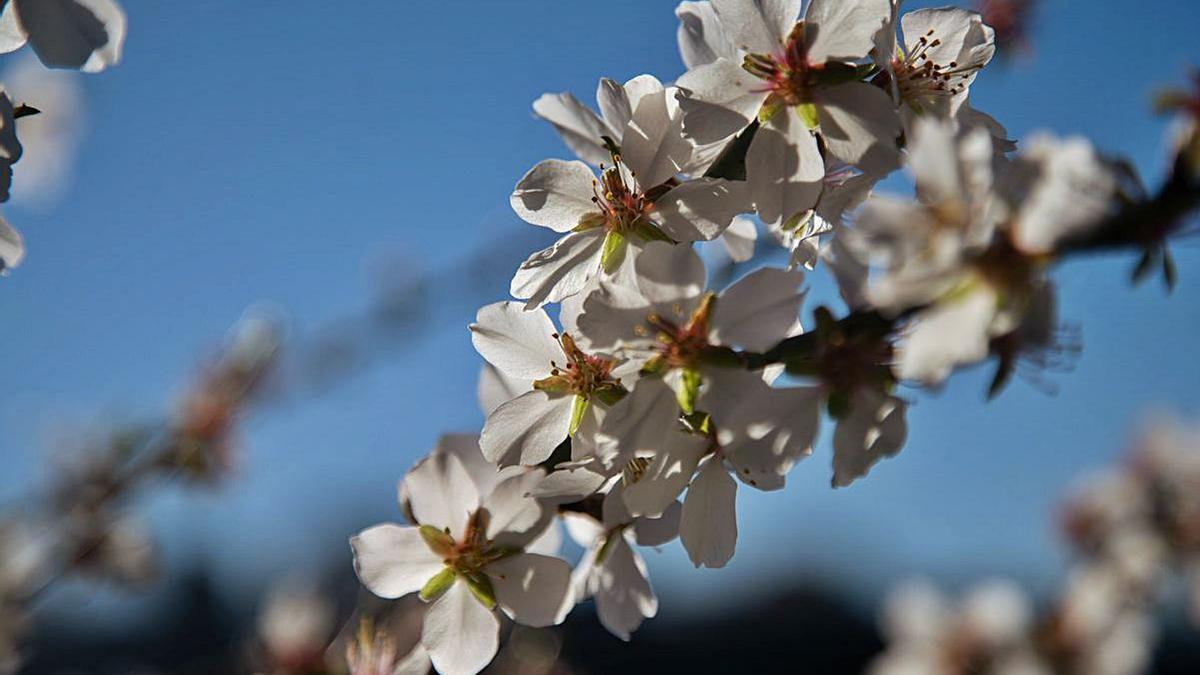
(1144, 265)
(24, 110)
(798, 220)
(438, 541)
(589, 221)
(438, 584)
(607, 547)
(699, 422)
(481, 588)
(768, 110)
(689, 390)
(577, 409)
(648, 231)
(609, 394)
(655, 365)
(614, 251)
(808, 114)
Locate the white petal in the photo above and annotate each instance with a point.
(619, 101)
(526, 429)
(415, 663)
(844, 29)
(701, 209)
(571, 482)
(642, 419)
(932, 158)
(708, 524)
(514, 517)
(860, 126)
(660, 530)
(84, 34)
(462, 635)
(1071, 191)
(12, 247)
(875, 428)
(12, 33)
(961, 36)
(548, 542)
(583, 529)
(465, 448)
(440, 493)
(669, 472)
(622, 590)
(718, 100)
(392, 560)
(559, 271)
(495, 388)
(613, 315)
(653, 145)
(952, 333)
(701, 38)
(670, 274)
(520, 343)
(578, 126)
(757, 26)
(555, 194)
(738, 239)
(759, 310)
(532, 589)
(784, 169)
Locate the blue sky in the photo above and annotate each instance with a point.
(271, 152)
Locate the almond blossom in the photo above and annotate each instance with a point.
(606, 221)
(563, 393)
(466, 554)
(971, 252)
(611, 571)
(796, 78)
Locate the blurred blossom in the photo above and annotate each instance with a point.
(1011, 20)
(51, 137)
(382, 639)
(295, 625)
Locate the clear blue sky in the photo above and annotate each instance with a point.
(274, 151)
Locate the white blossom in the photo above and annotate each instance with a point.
(83, 34)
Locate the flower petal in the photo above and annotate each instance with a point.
(578, 126)
(843, 30)
(953, 332)
(701, 209)
(784, 169)
(526, 429)
(532, 589)
(555, 194)
(708, 523)
(669, 472)
(514, 517)
(12, 33)
(738, 239)
(495, 388)
(393, 560)
(12, 247)
(860, 126)
(875, 428)
(559, 271)
(653, 146)
(660, 530)
(462, 635)
(520, 343)
(622, 590)
(670, 274)
(701, 38)
(83, 34)
(718, 100)
(759, 310)
(440, 493)
(757, 26)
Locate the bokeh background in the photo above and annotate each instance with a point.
(348, 165)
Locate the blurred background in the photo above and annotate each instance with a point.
(348, 165)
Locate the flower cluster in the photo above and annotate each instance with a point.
(628, 393)
(1134, 533)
